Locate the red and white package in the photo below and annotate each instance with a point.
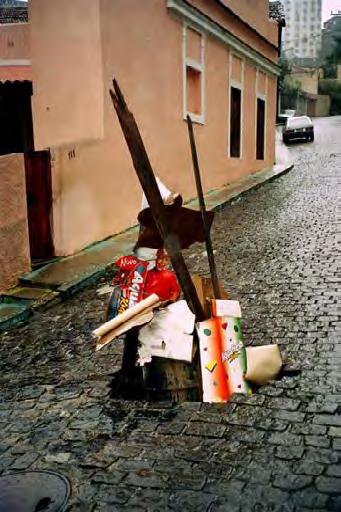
(134, 283)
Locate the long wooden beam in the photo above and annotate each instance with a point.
(208, 241)
(149, 185)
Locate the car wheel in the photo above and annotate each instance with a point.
(312, 137)
(285, 140)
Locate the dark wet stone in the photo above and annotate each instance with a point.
(113, 494)
(24, 461)
(205, 429)
(308, 467)
(310, 499)
(328, 484)
(292, 482)
(320, 441)
(190, 501)
(147, 478)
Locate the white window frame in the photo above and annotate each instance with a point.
(198, 66)
(263, 97)
(240, 86)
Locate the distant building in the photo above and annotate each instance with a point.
(302, 36)
(330, 33)
(302, 92)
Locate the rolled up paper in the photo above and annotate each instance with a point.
(263, 363)
(151, 301)
(143, 318)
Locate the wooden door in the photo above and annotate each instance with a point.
(39, 204)
(260, 129)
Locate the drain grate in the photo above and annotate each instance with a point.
(34, 491)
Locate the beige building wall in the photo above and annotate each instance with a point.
(322, 107)
(67, 71)
(15, 41)
(15, 52)
(14, 242)
(308, 81)
(95, 189)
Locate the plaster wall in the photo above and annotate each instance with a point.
(67, 71)
(14, 241)
(238, 29)
(257, 16)
(308, 81)
(322, 107)
(15, 41)
(15, 45)
(95, 189)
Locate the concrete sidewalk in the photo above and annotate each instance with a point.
(66, 276)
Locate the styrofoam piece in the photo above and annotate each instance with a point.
(226, 308)
(169, 334)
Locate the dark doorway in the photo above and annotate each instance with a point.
(16, 132)
(16, 136)
(260, 129)
(235, 122)
(39, 204)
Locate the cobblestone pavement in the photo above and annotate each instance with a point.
(278, 450)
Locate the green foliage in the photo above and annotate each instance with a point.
(333, 59)
(285, 69)
(291, 85)
(332, 88)
(329, 86)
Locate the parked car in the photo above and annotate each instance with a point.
(298, 128)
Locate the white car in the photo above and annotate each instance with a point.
(300, 127)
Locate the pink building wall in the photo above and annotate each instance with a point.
(15, 41)
(256, 15)
(259, 20)
(14, 244)
(67, 72)
(15, 52)
(96, 192)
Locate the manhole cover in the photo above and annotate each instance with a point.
(33, 491)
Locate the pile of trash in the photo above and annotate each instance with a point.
(146, 297)
(178, 327)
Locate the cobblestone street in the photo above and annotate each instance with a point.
(279, 450)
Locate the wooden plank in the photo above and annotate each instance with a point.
(208, 242)
(148, 182)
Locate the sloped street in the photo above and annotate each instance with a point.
(279, 450)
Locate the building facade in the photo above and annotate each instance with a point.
(302, 35)
(305, 100)
(330, 34)
(213, 59)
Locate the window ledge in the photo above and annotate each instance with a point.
(196, 118)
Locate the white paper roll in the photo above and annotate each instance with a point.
(152, 300)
